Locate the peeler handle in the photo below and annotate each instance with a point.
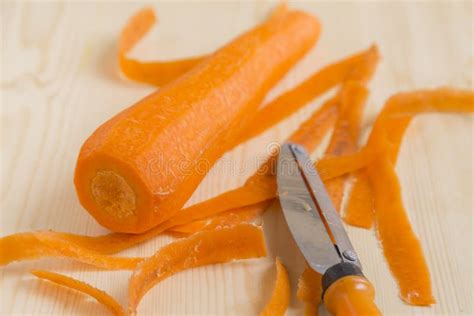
(351, 295)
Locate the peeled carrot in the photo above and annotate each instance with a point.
(216, 246)
(280, 298)
(102, 297)
(310, 134)
(258, 188)
(139, 168)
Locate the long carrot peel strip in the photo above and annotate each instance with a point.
(68, 282)
(359, 67)
(229, 218)
(390, 126)
(280, 298)
(310, 290)
(155, 73)
(28, 246)
(217, 246)
(344, 138)
(400, 244)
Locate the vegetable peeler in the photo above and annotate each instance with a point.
(320, 235)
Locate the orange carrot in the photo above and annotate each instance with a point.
(216, 246)
(139, 168)
(280, 298)
(310, 134)
(101, 297)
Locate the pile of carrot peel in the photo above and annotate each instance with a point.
(222, 228)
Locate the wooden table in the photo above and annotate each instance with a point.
(59, 81)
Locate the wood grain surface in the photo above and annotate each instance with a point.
(59, 81)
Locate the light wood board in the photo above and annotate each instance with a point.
(59, 81)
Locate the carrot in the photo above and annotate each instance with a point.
(280, 298)
(139, 168)
(68, 282)
(216, 246)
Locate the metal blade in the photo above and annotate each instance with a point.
(302, 216)
(308, 210)
(331, 216)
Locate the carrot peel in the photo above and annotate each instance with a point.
(217, 246)
(99, 295)
(280, 297)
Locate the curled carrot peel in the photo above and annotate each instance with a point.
(99, 295)
(155, 73)
(208, 247)
(28, 246)
(280, 298)
(400, 244)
